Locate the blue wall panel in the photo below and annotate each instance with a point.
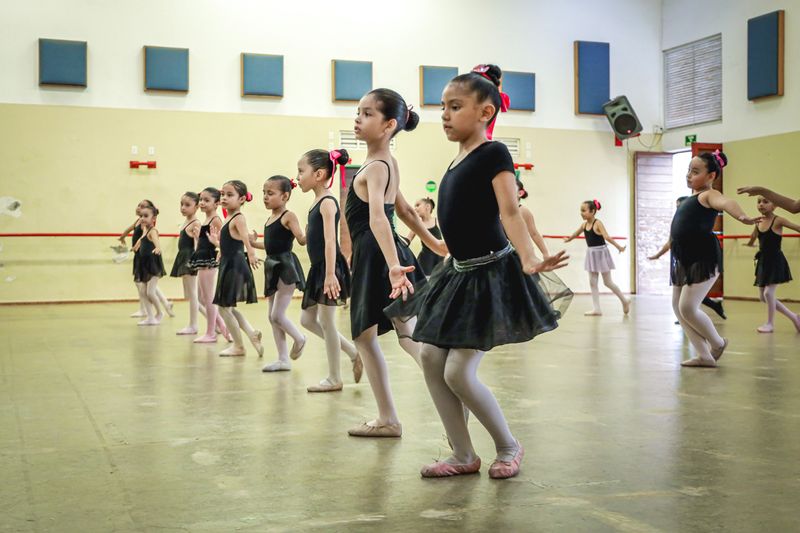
(764, 51)
(166, 69)
(592, 77)
(351, 79)
(434, 80)
(521, 90)
(262, 75)
(62, 62)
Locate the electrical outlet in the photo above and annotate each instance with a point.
(151, 150)
(134, 150)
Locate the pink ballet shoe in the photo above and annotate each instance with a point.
(716, 353)
(358, 368)
(169, 310)
(149, 322)
(188, 330)
(325, 386)
(206, 339)
(697, 362)
(297, 351)
(385, 431)
(507, 469)
(765, 329)
(232, 351)
(442, 469)
(255, 340)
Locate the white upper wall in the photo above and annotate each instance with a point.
(533, 35)
(688, 20)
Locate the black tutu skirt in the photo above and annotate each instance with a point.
(285, 267)
(147, 267)
(695, 261)
(489, 305)
(771, 269)
(181, 265)
(315, 283)
(202, 258)
(235, 282)
(370, 286)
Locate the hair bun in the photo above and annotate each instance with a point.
(343, 158)
(491, 72)
(412, 122)
(249, 196)
(597, 205)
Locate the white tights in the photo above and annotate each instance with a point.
(190, 293)
(378, 372)
(281, 325)
(452, 379)
(686, 300)
(148, 298)
(321, 321)
(608, 282)
(206, 281)
(236, 321)
(767, 295)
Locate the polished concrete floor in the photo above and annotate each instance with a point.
(106, 426)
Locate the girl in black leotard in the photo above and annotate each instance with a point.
(282, 270)
(204, 262)
(697, 257)
(489, 293)
(427, 259)
(598, 259)
(181, 268)
(328, 282)
(149, 266)
(771, 265)
(382, 265)
(136, 228)
(237, 258)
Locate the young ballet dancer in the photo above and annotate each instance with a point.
(714, 305)
(328, 282)
(793, 206)
(282, 270)
(204, 262)
(530, 223)
(235, 277)
(598, 259)
(149, 266)
(381, 261)
(697, 255)
(490, 292)
(181, 268)
(772, 268)
(136, 228)
(427, 259)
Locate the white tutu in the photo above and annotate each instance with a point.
(598, 259)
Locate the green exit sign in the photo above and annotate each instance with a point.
(690, 139)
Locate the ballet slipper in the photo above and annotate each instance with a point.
(796, 322)
(232, 351)
(297, 351)
(159, 316)
(593, 313)
(169, 310)
(149, 322)
(384, 431)
(256, 342)
(507, 469)
(277, 366)
(138, 314)
(626, 306)
(716, 353)
(206, 339)
(188, 330)
(697, 362)
(325, 386)
(443, 469)
(765, 329)
(358, 368)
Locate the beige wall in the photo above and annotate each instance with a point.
(772, 162)
(68, 165)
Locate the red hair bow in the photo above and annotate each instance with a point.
(505, 100)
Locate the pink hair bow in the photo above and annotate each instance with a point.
(334, 156)
(720, 161)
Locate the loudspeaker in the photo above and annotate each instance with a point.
(622, 117)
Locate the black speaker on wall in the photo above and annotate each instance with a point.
(622, 117)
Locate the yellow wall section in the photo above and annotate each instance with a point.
(772, 162)
(69, 166)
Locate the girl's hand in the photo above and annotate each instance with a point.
(121, 239)
(622, 249)
(213, 235)
(567, 239)
(654, 257)
(751, 245)
(156, 251)
(401, 286)
(136, 246)
(252, 259)
(750, 190)
(441, 248)
(744, 219)
(553, 262)
(253, 237)
(331, 287)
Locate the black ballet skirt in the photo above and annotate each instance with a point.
(370, 273)
(185, 250)
(427, 258)
(315, 244)
(696, 252)
(205, 256)
(484, 302)
(137, 234)
(148, 265)
(235, 277)
(281, 263)
(771, 265)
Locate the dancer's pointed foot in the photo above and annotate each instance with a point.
(297, 349)
(232, 351)
(206, 339)
(188, 330)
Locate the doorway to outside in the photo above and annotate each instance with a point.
(659, 180)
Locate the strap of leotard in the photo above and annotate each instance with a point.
(234, 216)
(772, 223)
(388, 168)
(326, 197)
